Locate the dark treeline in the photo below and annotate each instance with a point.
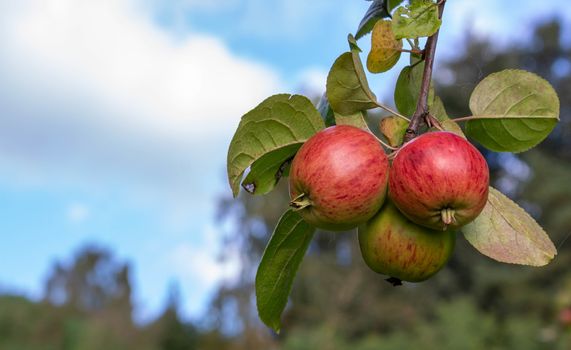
(87, 305)
(336, 302)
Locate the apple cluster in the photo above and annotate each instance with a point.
(406, 212)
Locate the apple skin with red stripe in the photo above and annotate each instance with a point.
(439, 180)
(394, 246)
(338, 178)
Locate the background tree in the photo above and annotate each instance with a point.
(174, 334)
(87, 305)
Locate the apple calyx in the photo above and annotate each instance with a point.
(447, 216)
(300, 202)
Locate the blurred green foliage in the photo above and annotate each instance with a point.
(337, 303)
(87, 306)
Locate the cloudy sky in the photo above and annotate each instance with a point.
(115, 117)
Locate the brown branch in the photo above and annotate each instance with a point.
(421, 112)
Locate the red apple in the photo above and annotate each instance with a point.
(565, 316)
(439, 180)
(338, 178)
(395, 246)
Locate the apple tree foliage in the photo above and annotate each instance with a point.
(512, 111)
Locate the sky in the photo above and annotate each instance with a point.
(115, 118)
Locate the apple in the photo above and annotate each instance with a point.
(439, 180)
(338, 178)
(395, 246)
(565, 316)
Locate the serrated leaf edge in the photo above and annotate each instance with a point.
(548, 256)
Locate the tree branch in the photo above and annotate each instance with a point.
(421, 112)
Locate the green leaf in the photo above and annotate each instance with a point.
(391, 4)
(324, 108)
(505, 232)
(348, 91)
(407, 89)
(418, 19)
(376, 11)
(278, 267)
(353, 46)
(452, 126)
(393, 129)
(385, 48)
(394, 4)
(518, 109)
(357, 120)
(279, 122)
(439, 112)
(266, 172)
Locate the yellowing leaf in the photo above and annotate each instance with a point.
(393, 129)
(385, 48)
(506, 233)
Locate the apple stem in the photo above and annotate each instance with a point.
(495, 116)
(413, 51)
(390, 110)
(385, 144)
(300, 202)
(422, 112)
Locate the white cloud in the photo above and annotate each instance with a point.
(200, 271)
(97, 75)
(312, 81)
(77, 213)
(142, 71)
(204, 5)
(95, 96)
(201, 266)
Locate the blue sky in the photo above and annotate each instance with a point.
(115, 117)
